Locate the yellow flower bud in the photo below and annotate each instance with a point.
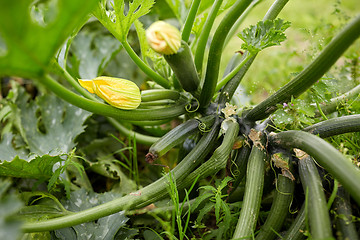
(163, 38)
(118, 92)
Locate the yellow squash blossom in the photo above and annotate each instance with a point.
(118, 92)
(163, 38)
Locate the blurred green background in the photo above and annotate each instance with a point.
(313, 24)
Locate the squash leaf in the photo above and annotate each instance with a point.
(9, 205)
(29, 40)
(104, 228)
(263, 35)
(119, 23)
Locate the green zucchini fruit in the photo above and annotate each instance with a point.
(145, 196)
(335, 126)
(174, 137)
(182, 64)
(325, 154)
(218, 159)
(245, 228)
(317, 212)
(279, 208)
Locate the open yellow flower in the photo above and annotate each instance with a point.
(118, 92)
(163, 38)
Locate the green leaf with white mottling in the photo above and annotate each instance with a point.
(55, 129)
(93, 49)
(8, 150)
(9, 205)
(103, 229)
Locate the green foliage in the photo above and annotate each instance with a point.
(92, 49)
(216, 202)
(178, 8)
(263, 35)
(119, 21)
(104, 228)
(30, 45)
(296, 115)
(47, 155)
(9, 205)
(40, 167)
(51, 125)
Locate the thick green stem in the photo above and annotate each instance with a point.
(145, 68)
(218, 159)
(313, 72)
(253, 193)
(335, 126)
(66, 75)
(319, 219)
(149, 194)
(275, 9)
(140, 138)
(230, 88)
(326, 155)
(204, 35)
(189, 22)
(109, 111)
(216, 48)
(240, 20)
(229, 76)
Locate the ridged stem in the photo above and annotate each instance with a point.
(318, 215)
(204, 35)
(109, 111)
(216, 48)
(313, 72)
(335, 126)
(189, 22)
(218, 159)
(240, 20)
(149, 194)
(253, 193)
(230, 75)
(279, 209)
(326, 155)
(144, 67)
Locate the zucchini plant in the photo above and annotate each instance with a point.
(285, 154)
